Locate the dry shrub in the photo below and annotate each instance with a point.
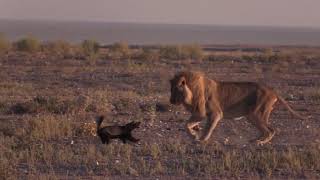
(5, 45)
(193, 51)
(148, 54)
(170, 52)
(90, 49)
(176, 52)
(120, 50)
(59, 48)
(28, 44)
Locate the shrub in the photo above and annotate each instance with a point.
(4, 44)
(90, 48)
(59, 47)
(120, 50)
(193, 51)
(176, 52)
(148, 54)
(28, 44)
(170, 52)
(268, 52)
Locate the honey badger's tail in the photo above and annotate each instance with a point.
(293, 112)
(99, 120)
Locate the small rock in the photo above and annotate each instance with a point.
(226, 141)
(133, 171)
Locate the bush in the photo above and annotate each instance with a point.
(148, 54)
(193, 51)
(120, 50)
(176, 52)
(4, 44)
(28, 44)
(59, 47)
(90, 48)
(170, 52)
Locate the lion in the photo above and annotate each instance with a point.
(214, 100)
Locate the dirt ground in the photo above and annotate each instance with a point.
(137, 89)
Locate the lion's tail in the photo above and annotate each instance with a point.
(285, 103)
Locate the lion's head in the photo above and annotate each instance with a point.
(187, 88)
(180, 92)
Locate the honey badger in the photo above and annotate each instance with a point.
(123, 133)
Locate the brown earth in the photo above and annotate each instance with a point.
(36, 89)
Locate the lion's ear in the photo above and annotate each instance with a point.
(182, 81)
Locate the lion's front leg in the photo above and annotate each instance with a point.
(194, 133)
(192, 125)
(213, 122)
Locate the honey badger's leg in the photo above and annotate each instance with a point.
(131, 138)
(124, 140)
(105, 139)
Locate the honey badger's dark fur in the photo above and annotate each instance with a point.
(112, 132)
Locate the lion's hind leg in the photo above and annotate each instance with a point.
(260, 118)
(266, 139)
(266, 134)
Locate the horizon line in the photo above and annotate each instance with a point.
(159, 23)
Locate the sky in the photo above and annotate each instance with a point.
(300, 13)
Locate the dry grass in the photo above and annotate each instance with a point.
(313, 94)
(5, 45)
(181, 52)
(120, 50)
(60, 48)
(28, 44)
(47, 123)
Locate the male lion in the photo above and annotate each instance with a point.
(204, 97)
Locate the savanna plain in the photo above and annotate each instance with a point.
(51, 92)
